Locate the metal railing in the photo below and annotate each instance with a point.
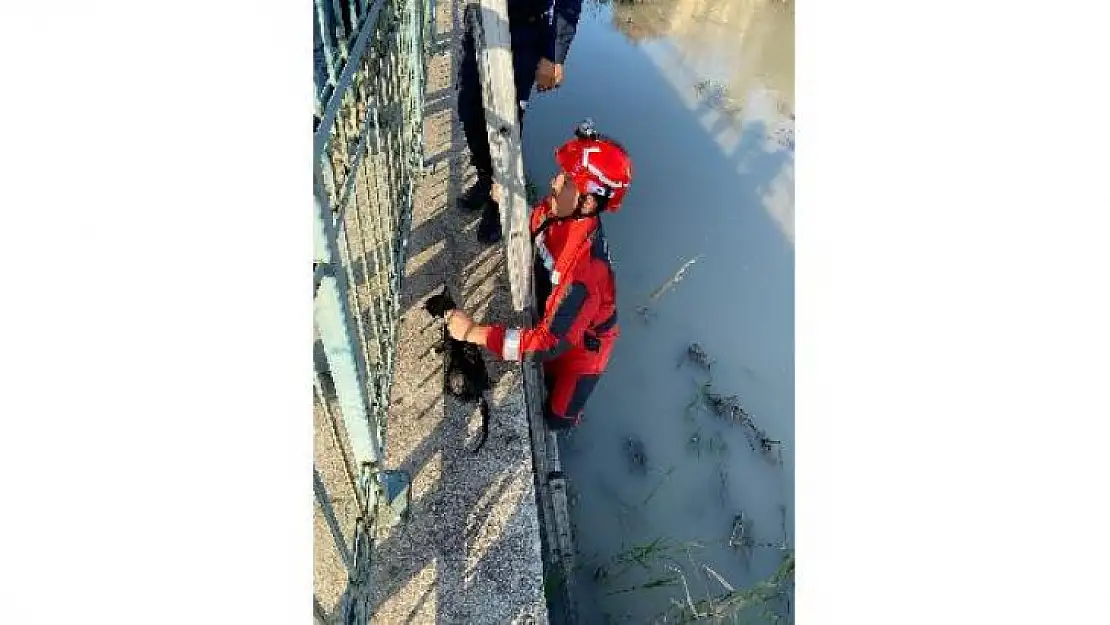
(368, 79)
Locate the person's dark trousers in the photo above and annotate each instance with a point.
(528, 41)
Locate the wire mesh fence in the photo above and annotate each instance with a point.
(368, 158)
(368, 86)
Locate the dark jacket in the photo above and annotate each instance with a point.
(560, 17)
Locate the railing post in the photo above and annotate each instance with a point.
(334, 321)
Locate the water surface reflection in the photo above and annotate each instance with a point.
(701, 93)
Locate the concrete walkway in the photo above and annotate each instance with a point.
(470, 550)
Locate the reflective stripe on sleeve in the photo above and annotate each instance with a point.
(510, 350)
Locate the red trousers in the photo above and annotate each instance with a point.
(567, 393)
(568, 387)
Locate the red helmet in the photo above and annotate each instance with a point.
(596, 164)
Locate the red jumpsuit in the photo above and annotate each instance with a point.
(579, 325)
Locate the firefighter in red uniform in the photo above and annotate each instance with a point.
(574, 278)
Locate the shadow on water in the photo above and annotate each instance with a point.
(707, 116)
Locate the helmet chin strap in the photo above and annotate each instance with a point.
(576, 214)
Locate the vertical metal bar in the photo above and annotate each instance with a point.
(420, 63)
(427, 27)
(384, 148)
(323, 499)
(325, 38)
(381, 191)
(408, 162)
(383, 235)
(348, 262)
(402, 62)
(416, 85)
(370, 249)
(433, 27)
(337, 439)
(410, 155)
(379, 328)
(396, 104)
(385, 126)
(396, 117)
(373, 242)
(340, 30)
(396, 121)
(353, 14)
(395, 140)
(412, 81)
(340, 146)
(405, 82)
(380, 321)
(333, 321)
(376, 296)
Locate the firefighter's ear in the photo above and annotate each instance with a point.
(590, 203)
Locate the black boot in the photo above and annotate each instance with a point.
(478, 195)
(489, 227)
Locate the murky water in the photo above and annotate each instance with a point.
(701, 93)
